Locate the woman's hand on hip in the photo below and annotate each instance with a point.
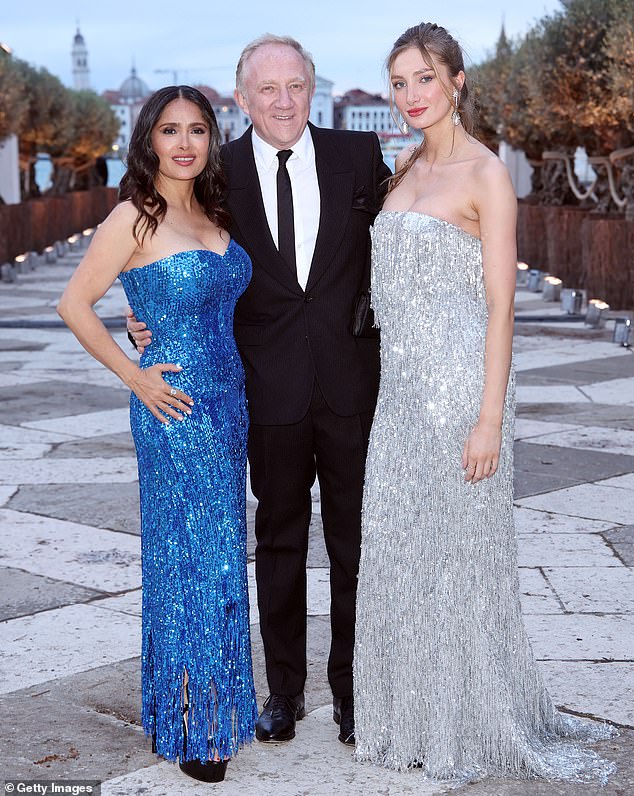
(161, 398)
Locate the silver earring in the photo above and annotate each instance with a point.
(404, 127)
(455, 116)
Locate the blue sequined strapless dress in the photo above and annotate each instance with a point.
(192, 477)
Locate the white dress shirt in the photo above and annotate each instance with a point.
(306, 206)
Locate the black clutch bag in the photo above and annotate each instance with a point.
(363, 317)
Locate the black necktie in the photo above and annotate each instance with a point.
(285, 223)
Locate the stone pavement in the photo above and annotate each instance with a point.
(70, 564)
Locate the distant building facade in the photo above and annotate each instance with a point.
(232, 121)
(358, 110)
(126, 104)
(322, 108)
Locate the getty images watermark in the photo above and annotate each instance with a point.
(47, 787)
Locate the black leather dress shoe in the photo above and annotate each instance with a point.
(343, 715)
(278, 718)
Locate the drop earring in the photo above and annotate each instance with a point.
(404, 127)
(455, 116)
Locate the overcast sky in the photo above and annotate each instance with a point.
(349, 39)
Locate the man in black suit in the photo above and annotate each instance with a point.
(302, 200)
(311, 385)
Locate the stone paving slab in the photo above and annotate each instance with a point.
(59, 729)
(19, 345)
(530, 429)
(13, 434)
(6, 492)
(551, 394)
(622, 541)
(587, 500)
(25, 593)
(536, 350)
(600, 689)
(537, 596)
(89, 424)
(105, 446)
(569, 550)
(577, 637)
(15, 379)
(19, 451)
(69, 471)
(578, 373)
(545, 468)
(592, 438)
(53, 399)
(546, 522)
(615, 391)
(584, 589)
(64, 641)
(92, 557)
(104, 505)
(591, 414)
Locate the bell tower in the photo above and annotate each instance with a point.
(79, 54)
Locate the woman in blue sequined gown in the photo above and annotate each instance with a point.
(182, 276)
(445, 682)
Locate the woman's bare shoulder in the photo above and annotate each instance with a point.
(123, 213)
(404, 156)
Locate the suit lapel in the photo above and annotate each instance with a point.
(336, 186)
(246, 207)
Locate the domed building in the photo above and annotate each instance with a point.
(133, 90)
(126, 103)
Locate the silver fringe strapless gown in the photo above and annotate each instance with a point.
(445, 679)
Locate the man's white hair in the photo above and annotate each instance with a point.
(271, 38)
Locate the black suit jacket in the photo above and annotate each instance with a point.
(287, 336)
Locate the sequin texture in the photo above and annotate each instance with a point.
(192, 478)
(445, 681)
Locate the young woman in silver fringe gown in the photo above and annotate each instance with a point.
(445, 680)
(169, 244)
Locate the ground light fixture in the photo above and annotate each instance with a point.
(595, 314)
(622, 331)
(552, 288)
(522, 274)
(571, 300)
(535, 280)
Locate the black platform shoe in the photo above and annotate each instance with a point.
(210, 770)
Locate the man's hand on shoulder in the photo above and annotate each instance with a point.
(138, 333)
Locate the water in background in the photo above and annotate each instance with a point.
(44, 169)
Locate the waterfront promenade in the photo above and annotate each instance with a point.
(70, 566)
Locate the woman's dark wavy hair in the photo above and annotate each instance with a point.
(139, 181)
